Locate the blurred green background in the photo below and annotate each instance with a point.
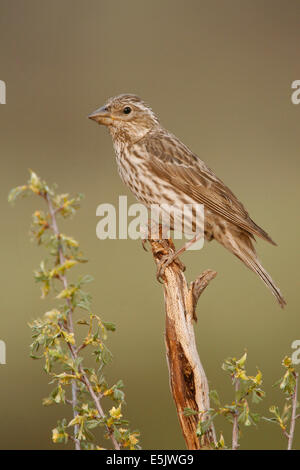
(219, 76)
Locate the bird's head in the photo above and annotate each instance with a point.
(126, 116)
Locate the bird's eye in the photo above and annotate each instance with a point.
(127, 110)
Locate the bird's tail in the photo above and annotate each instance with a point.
(243, 248)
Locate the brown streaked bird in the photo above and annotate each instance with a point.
(160, 169)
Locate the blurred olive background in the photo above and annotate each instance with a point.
(219, 76)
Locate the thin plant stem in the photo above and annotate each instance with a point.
(235, 429)
(73, 350)
(294, 416)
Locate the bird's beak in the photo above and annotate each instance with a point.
(102, 116)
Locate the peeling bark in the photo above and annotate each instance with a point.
(188, 381)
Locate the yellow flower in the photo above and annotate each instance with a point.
(116, 412)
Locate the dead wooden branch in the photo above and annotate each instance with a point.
(188, 381)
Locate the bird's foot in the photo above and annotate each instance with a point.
(150, 231)
(144, 231)
(144, 243)
(164, 262)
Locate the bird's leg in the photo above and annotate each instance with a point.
(150, 231)
(144, 230)
(168, 259)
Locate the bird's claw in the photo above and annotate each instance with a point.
(161, 267)
(164, 262)
(144, 242)
(145, 235)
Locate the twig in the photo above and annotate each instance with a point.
(294, 416)
(235, 429)
(188, 381)
(70, 321)
(72, 348)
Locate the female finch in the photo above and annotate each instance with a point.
(159, 169)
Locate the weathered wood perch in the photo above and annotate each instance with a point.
(188, 381)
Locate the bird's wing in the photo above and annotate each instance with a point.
(172, 161)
